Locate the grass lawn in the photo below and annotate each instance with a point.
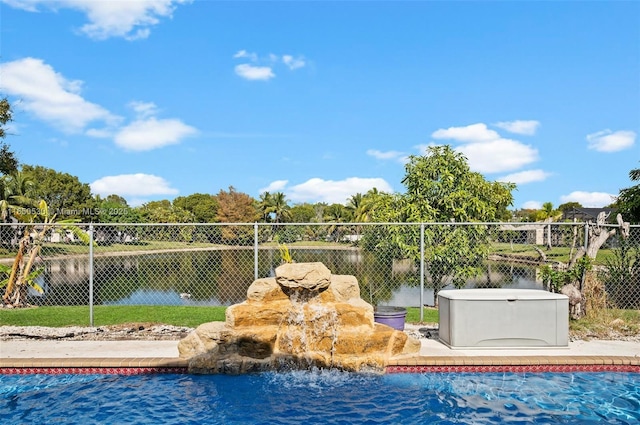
(113, 315)
(601, 325)
(562, 254)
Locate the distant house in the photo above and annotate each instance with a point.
(588, 214)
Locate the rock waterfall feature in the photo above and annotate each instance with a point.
(303, 318)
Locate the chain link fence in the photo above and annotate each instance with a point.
(395, 263)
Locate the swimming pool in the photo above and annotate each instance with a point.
(323, 397)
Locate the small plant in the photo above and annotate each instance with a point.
(621, 275)
(556, 279)
(285, 254)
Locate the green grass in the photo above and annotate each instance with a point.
(602, 323)
(111, 315)
(60, 249)
(561, 254)
(114, 315)
(413, 315)
(593, 326)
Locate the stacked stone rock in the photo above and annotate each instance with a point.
(303, 318)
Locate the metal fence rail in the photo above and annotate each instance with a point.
(214, 264)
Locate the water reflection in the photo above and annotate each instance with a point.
(221, 277)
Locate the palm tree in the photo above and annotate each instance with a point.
(280, 208)
(628, 201)
(16, 200)
(334, 214)
(370, 202)
(16, 190)
(265, 205)
(355, 204)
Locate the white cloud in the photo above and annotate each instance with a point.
(293, 63)
(473, 133)
(262, 67)
(151, 133)
(275, 186)
(532, 205)
(589, 199)
(486, 150)
(525, 127)
(608, 141)
(143, 109)
(99, 133)
(498, 155)
(29, 6)
(244, 54)
(330, 191)
(388, 155)
(131, 19)
(148, 132)
(524, 177)
(250, 72)
(50, 96)
(132, 185)
(54, 99)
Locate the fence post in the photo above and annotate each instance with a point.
(255, 251)
(586, 236)
(91, 274)
(421, 272)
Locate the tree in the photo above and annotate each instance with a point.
(114, 209)
(302, 213)
(274, 207)
(21, 276)
(368, 204)
(264, 206)
(16, 191)
(64, 194)
(335, 214)
(236, 207)
(568, 206)
(280, 207)
(203, 206)
(628, 202)
(355, 207)
(164, 212)
(8, 160)
(16, 201)
(441, 188)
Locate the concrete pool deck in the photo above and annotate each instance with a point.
(29, 356)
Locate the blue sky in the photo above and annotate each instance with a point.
(321, 100)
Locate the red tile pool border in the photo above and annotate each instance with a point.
(389, 369)
(514, 368)
(90, 370)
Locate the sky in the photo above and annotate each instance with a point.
(320, 100)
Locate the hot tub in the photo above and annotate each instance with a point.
(496, 318)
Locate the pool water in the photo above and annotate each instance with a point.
(323, 397)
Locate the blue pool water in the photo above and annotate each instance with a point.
(327, 397)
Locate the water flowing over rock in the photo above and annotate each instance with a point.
(303, 318)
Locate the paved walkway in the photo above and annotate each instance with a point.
(30, 349)
(39, 356)
(43, 354)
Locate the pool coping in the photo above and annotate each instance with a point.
(93, 365)
(418, 364)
